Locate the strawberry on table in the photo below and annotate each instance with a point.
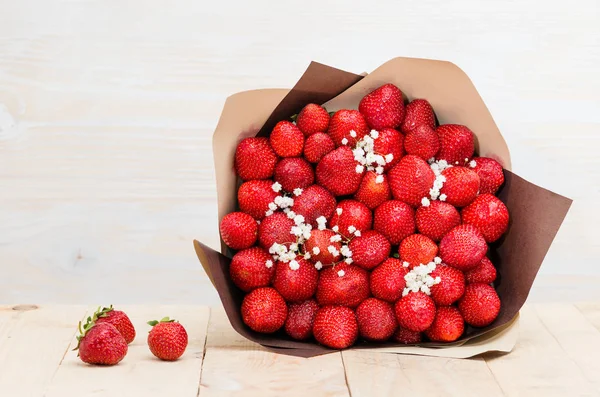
(294, 172)
(300, 319)
(387, 280)
(376, 320)
(275, 229)
(423, 142)
(287, 140)
(383, 107)
(117, 318)
(395, 220)
(296, 285)
(251, 268)
(238, 230)
(350, 216)
(490, 173)
(479, 305)
(463, 247)
(484, 273)
(314, 202)
(389, 142)
(417, 249)
(418, 113)
(100, 344)
(318, 247)
(370, 192)
(408, 337)
(344, 121)
(451, 286)
(167, 339)
(255, 159)
(337, 171)
(342, 285)
(335, 327)
(370, 249)
(489, 215)
(317, 146)
(437, 219)
(312, 119)
(415, 311)
(254, 197)
(461, 185)
(411, 179)
(448, 325)
(264, 310)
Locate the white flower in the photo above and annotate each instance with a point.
(321, 220)
(316, 250)
(466, 159)
(443, 197)
(456, 162)
(335, 238)
(318, 265)
(335, 228)
(341, 273)
(345, 250)
(276, 187)
(294, 265)
(359, 169)
(348, 260)
(272, 206)
(431, 160)
(351, 229)
(321, 226)
(437, 260)
(358, 152)
(374, 134)
(307, 255)
(405, 264)
(293, 247)
(357, 233)
(258, 222)
(269, 213)
(389, 158)
(338, 210)
(290, 214)
(298, 220)
(296, 231)
(380, 160)
(425, 289)
(344, 141)
(379, 170)
(297, 191)
(473, 164)
(438, 280)
(269, 263)
(379, 179)
(331, 249)
(353, 133)
(425, 202)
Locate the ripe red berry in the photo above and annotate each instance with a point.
(489, 215)
(418, 249)
(457, 143)
(484, 273)
(376, 320)
(296, 285)
(294, 172)
(100, 344)
(344, 121)
(395, 220)
(448, 325)
(312, 119)
(317, 146)
(437, 219)
(461, 186)
(387, 280)
(353, 214)
(300, 319)
(238, 230)
(318, 247)
(287, 140)
(415, 311)
(383, 107)
(314, 202)
(423, 142)
(371, 193)
(337, 172)
(418, 113)
(255, 159)
(451, 286)
(408, 337)
(254, 197)
(264, 310)
(335, 327)
(463, 247)
(249, 270)
(117, 318)
(479, 305)
(275, 229)
(370, 249)
(389, 142)
(167, 339)
(490, 174)
(411, 179)
(342, 285)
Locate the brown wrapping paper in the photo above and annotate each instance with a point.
(536, 213)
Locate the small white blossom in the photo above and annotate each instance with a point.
(272, 206)
(276, 187)
(341, 273)
(348, 260)
(351, 229)
(258, 222)
(338, 211)
(335, 238)
(294, 265)
(379, 179)
(374, 134)
(318, 265)
(290, 214)
(389, 158)
(298, 220)
(473, 164)
(379, 170)
(307, 255)
(456, 162)
(443, 197)
(335, 228)
(297, 191)
(345, 250)
(316, 251)
(437, 260)
(466, 159)
(425, 202)
(344, 141)
(321, 220)
(353, 133)
(293, 247)
(269, 263)
(405, 264)
(359, 169)
(357, 233)
(269, 213)
(296, 231)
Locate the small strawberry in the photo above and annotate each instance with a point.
(264, 310)
(411, 179)
(490, 173)
(370, 249)
(335, 327)
(387, 280)
(451, 286)
(479, 305)
(314, 202)
(351, 215)
(376, 320)
(294, 172)
(251, 268)
(463, 247)
(389, 142)
(312, 119)
(255, 159)
(296, 285)
(457, 143)
(415, 311)
(117, 318)
(344, 121)
(275, 228)
(383, 107)
(318, 247)
(489, 215)
(167, 339)
(484, 273)
(423, 142)
(417, 249)
(100, 344)
(395, 220)
(287, 140)
(418, 113)
(461, 185)
(300, 319)
(448, 325)
(317, 146)
(408, 337)
(371, 193)
(238, 230)
(437, 219)
(254, 197)
(337, 172)
(344, 285)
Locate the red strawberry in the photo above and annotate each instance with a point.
(249, 269)
(387, 280)
(489, 215)
(395, 220)
(167, 339)
(238, 230)
(370, 249)
(254, 197)
(484, 273)
(317, 146)
(490, 173)
(337, 172)
(255, 159)
(388, 142)
(344, 285)
(418, 113)
(448, 325)
(287, 140)
(479, 305)
(314, 202)
(383, 107)
(296, 285)
(100, 343)
(437, 219)
(418, 249)
(352, 213)
(275, 229)
(317, 246)
(415, 311)
(264, 310)
(312, 119)
(294, 172)
(300, 319)
(411, 179)
(423, 142)
(344, 121)
(371, 193)
(117, 318)
(461, 185)
(408, 337)
(451, 286)
(457, 143)
(376, 320)
(463, 247)
(335, 327)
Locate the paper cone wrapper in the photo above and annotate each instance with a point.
(535, 213)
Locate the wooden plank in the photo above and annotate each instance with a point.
(140, 373)
(386, 374)
(538, 366)
(234, 366)
(591, 311)
(33, 341)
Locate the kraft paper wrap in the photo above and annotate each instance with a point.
(535, 213)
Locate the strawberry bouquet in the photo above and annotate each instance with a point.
(381, 218)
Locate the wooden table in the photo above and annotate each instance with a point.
(556, 355)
